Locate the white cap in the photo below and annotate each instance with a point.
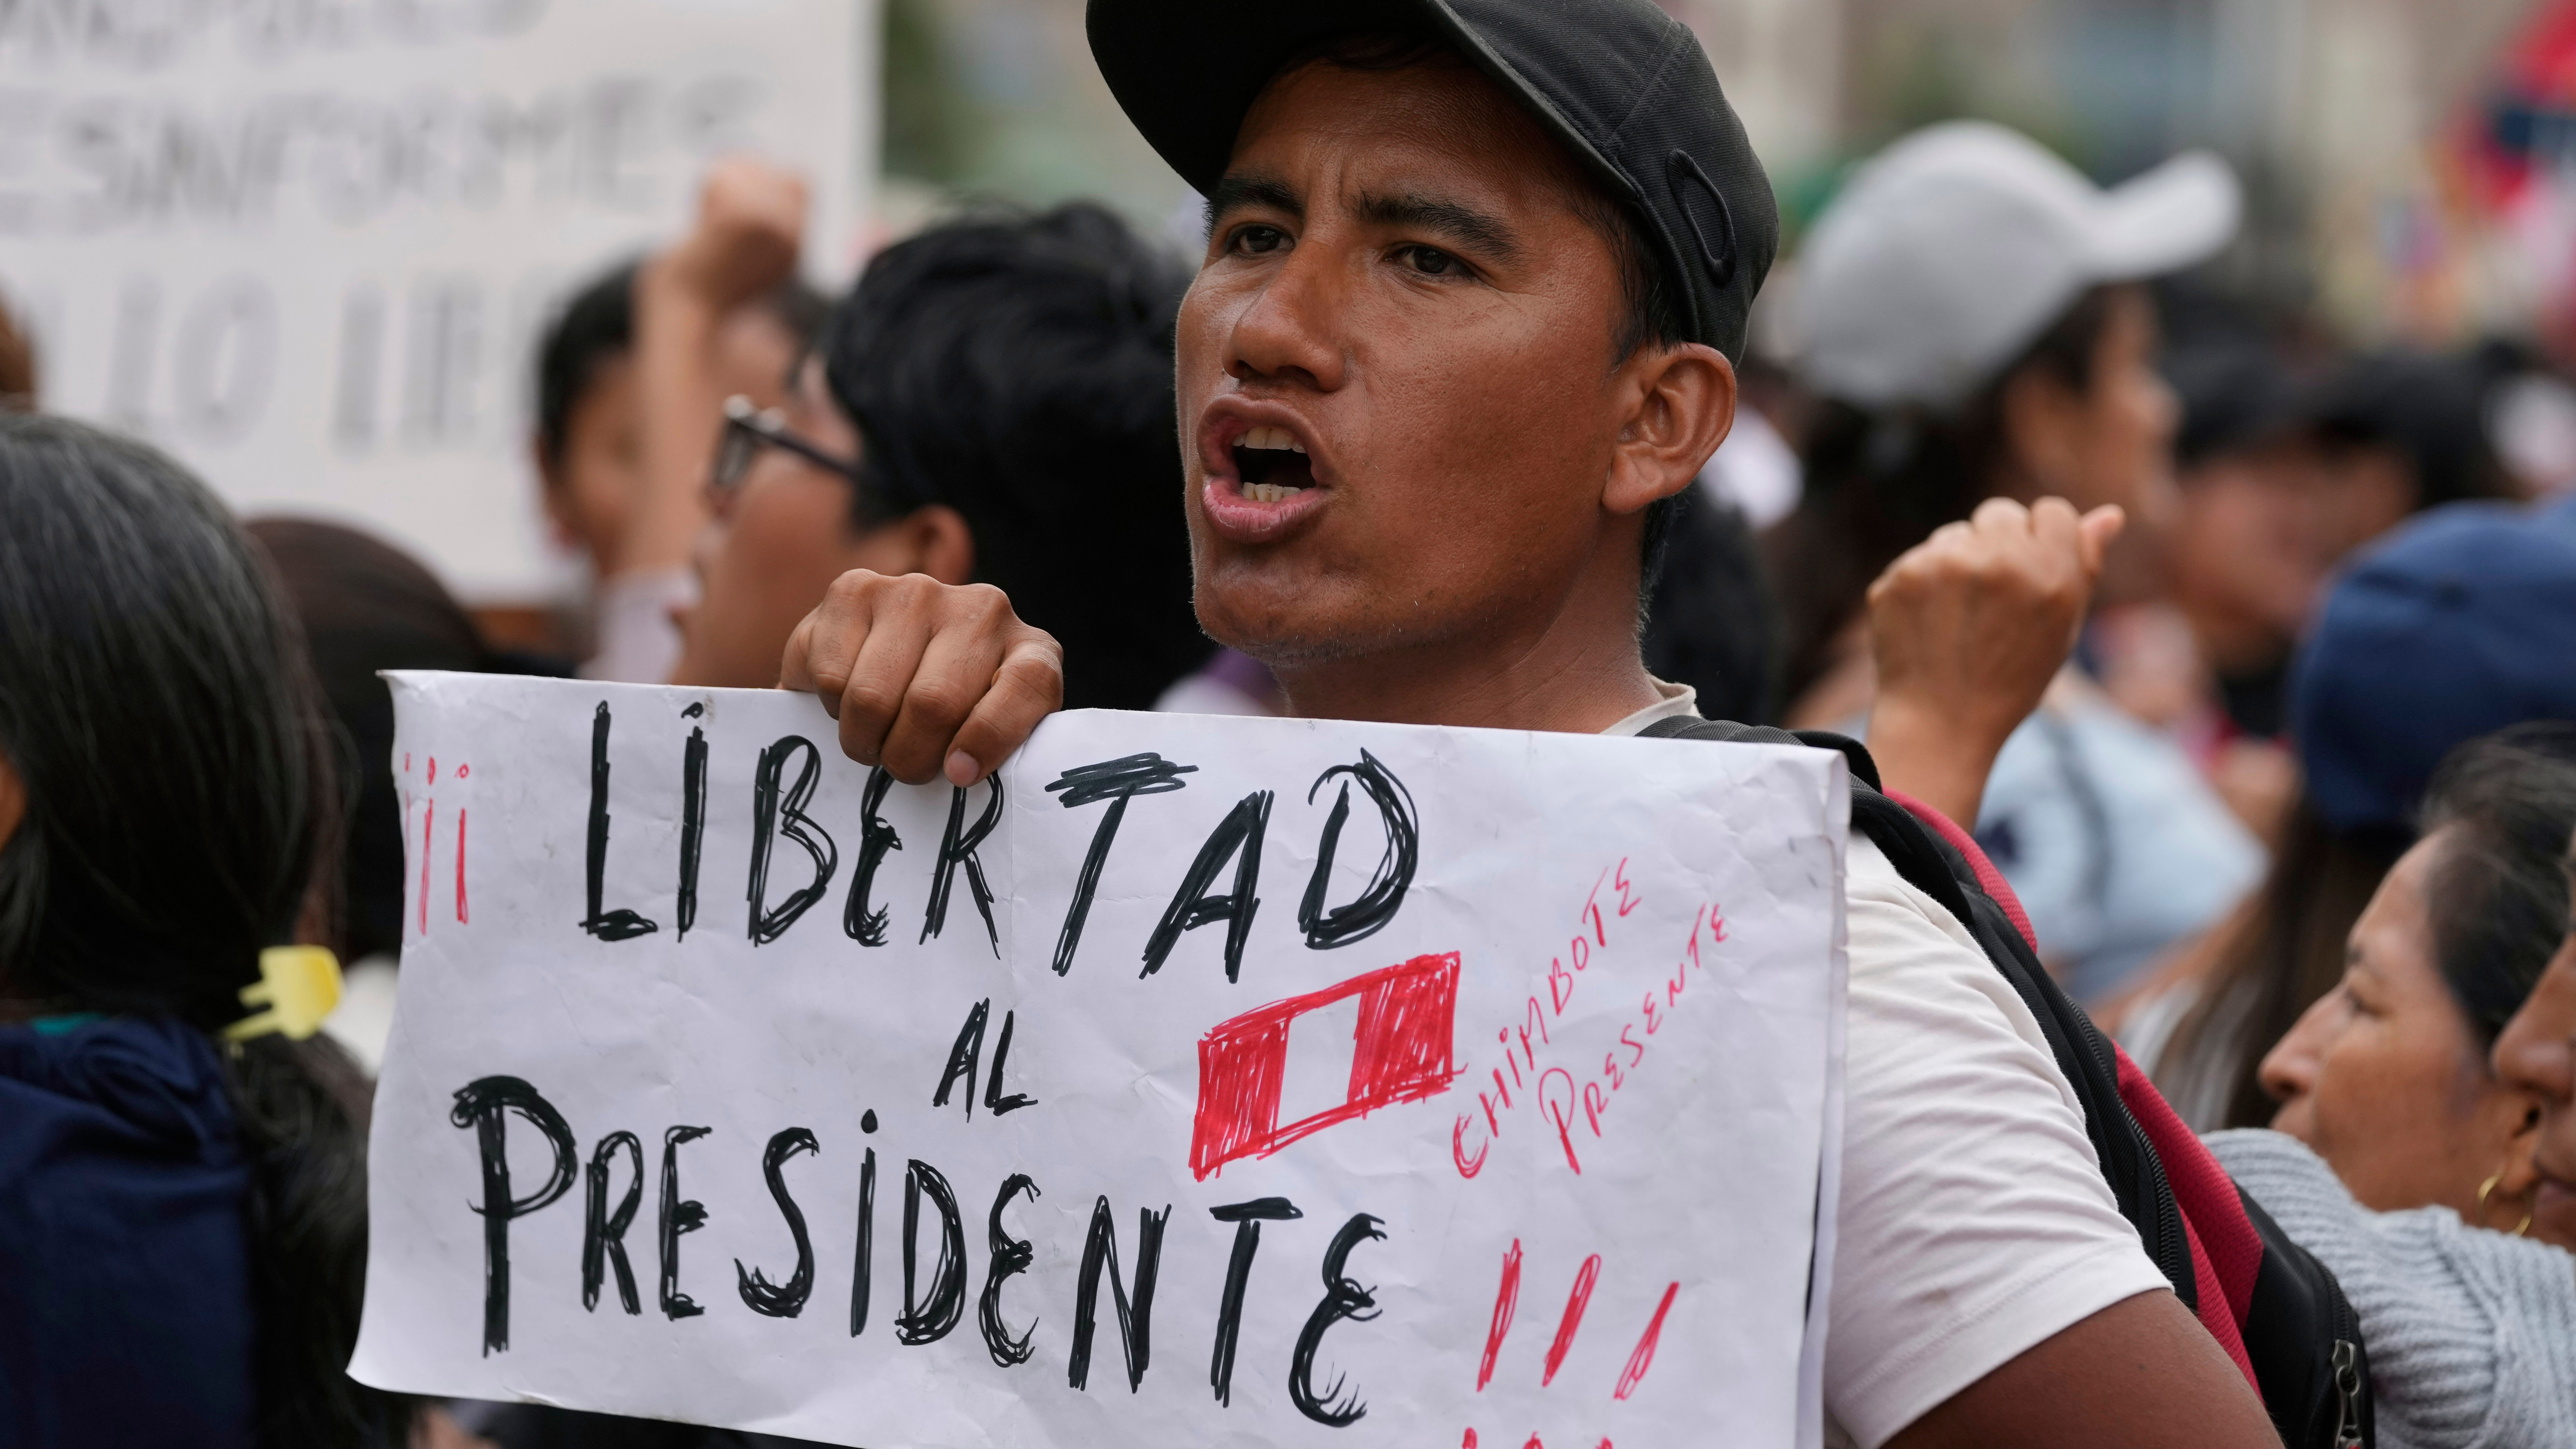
(1953, 250)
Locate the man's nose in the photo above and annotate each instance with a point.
(1290, 332)
(2537, 1050)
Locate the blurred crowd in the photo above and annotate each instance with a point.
(2285, 794)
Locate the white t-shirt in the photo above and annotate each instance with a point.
(1974, 1221)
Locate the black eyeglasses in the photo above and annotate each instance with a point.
(748, 429)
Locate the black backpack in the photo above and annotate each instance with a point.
(2300, 1334)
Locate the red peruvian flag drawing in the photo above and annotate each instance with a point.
(1400, 1053)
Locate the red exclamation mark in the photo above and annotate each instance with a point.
(406, 796)
(1506, 1299)
(428, 817)
(1644, 1357)
(1575, 1303)
(461, 772)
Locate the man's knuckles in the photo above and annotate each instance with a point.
(831, 686)
(853, 594)
(1034, 682)
(977, 601)
(910, 593)
(872, 703)
(915, 755)
(919, 596)
(940, 704)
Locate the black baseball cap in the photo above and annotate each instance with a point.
(1623, 85)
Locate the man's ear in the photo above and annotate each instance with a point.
(947, 544)
(933, 539)
(1679, 405)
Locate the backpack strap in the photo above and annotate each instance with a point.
(2231, 1251)
(1989, 879)
(1935, 867)
(1726, 731)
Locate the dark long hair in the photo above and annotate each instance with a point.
(2498, 901)
(181, 816)
(1879, 482)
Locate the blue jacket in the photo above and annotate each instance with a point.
(125, 1307)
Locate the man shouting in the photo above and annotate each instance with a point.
(1475, 273)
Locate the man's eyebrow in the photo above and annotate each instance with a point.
(1237, 191)
(1478, 230)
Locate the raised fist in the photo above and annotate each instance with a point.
(1968, 628)
(751, 220)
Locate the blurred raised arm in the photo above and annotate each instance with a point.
(751, 220)
(1968, 627)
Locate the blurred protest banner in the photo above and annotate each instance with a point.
(1197, 1081)
(307, 244)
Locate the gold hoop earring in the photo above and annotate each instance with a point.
(2487, 1189)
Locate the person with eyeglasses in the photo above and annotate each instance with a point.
(991, 405)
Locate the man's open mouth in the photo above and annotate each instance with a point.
(1272, 464)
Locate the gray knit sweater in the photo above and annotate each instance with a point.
(2472, 1334)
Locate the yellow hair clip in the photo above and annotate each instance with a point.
(298, 984)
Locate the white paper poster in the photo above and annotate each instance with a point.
(1201, 1081)
(308, 245)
